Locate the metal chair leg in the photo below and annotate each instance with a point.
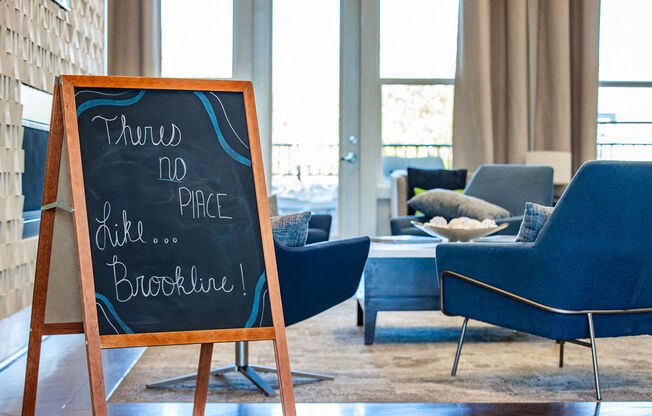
(243, 367)
(561, 353)
(172, 380)
(459, 346)
(317, 376)
(255, 378)
(596, 375)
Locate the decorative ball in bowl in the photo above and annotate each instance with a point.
(459, 229)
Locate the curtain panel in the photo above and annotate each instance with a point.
(134, 37)
(526, 79)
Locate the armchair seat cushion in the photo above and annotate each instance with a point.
(450, 204)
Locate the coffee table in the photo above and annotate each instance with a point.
(400, 277)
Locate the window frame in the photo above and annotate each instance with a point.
(601, 148)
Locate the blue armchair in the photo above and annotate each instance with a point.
(312, 278)
(587, 275)
(508, 186)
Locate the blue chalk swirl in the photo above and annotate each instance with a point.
(256, 305)
(111, 309)
(110, 102)
(228, 149)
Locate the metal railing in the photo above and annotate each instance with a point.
(624, 151)
(444, 151)
(323, 159)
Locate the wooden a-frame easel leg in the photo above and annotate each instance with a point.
(50, 187)
(82, 239)
(203, 376)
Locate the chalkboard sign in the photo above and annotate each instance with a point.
(155, 226)
(171, 205)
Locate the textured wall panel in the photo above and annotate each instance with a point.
(38, 40)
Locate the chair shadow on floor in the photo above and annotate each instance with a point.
(427, 334)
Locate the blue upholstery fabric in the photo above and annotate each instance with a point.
(319, 228)
(508, 186)
(316, 277)
(593, 253)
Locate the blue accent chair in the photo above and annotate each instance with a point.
(312, 279)
(508, 186)
(319, 228)
(587, 275)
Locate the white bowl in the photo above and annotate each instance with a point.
(457, 234)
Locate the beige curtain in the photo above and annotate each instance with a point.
(527, 79)
(134, 37)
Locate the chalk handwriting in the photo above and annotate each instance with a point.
(127, 288)
(173, 175)
(200, 204)
(121, 235)
(142, 135)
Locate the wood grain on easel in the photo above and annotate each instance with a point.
(63, 328)
(82, 237)
(203, 377)
(187, 337)
(286, 388)
(50, 185)
(64, 125)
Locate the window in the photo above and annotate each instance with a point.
(197, 31)
(418, 47)
(625, 94)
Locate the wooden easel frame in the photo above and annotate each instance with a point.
(64, 127)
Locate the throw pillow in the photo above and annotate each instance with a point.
(534, 218)
(291, 230)
(419, 191)
(434, 178)
(449, 204)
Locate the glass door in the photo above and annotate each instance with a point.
(306, 109)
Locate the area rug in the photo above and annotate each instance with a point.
(410, 361)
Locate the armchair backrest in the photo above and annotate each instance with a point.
(607, 203)
(599, 236)
(511, 186)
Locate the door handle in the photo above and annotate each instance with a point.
(349, 157)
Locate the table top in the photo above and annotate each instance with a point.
(420, 249)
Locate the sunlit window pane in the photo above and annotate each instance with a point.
(625, 33)
(417, 114)
(417, 121)
(418, 38)
(197, 38)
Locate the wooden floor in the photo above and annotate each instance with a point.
(391, 409)
(63, 390)
(63, 377)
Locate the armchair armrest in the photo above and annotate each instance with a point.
(402, 226)
(318, 276)
(536, 304)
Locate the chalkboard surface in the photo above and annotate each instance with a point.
(171, 205)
